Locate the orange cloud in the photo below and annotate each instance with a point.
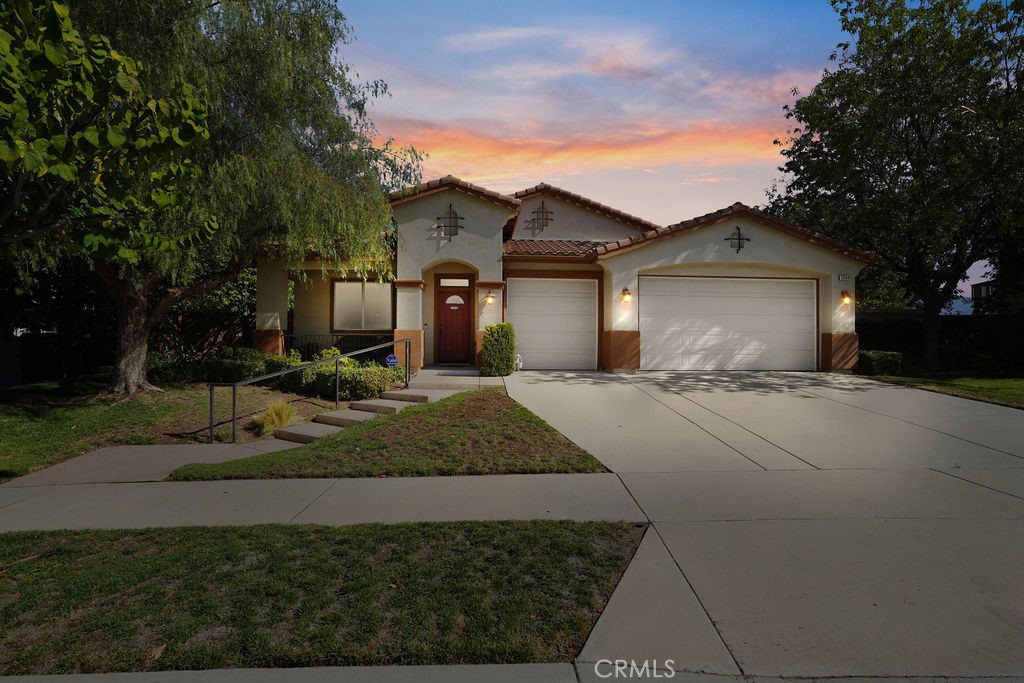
(474, 154)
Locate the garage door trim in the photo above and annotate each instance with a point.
(816, 300)
(596, 276)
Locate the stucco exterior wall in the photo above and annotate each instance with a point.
(271, 296)
(769, 253)
(478, 243)
(569, 222)
(312, 313)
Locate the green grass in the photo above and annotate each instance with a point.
(289, 596)
(476, 432)
(49, 422)
(1006, 391)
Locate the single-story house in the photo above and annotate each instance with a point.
(586, 287)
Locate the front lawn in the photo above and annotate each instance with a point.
(291, 596)
(475, 432)
(49, 422)
(1006, 391)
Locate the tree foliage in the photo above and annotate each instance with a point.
(293, 165)
(86, 149)
(907, 145)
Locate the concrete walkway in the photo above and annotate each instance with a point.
(804, 525)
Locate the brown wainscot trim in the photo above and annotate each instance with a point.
(839, 351)
(478, 354)
(419, 284)
(620, 350)
(490, 284)
(415, 348)
(269, 341)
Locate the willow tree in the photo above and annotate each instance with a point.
(910, 144)
(291, 165)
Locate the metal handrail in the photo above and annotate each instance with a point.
(270, 375)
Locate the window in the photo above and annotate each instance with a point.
(454, 282)
(455, 299)
(362, 306)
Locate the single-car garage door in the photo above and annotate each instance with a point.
(695, 323)
(555, 322)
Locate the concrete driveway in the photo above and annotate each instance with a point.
(808, 525)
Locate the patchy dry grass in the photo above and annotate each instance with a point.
(49, 422)
(288, 596)
(475, 432)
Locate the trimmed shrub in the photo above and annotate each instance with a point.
(499, 350)
(236, 364)
(880, 363)
(293, 380)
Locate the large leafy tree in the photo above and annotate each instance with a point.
(292, 165)
(86, 150)
(906, 146)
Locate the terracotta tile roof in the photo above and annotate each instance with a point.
(721, 215)
(549, 248)
(451, 182)
(596, 207)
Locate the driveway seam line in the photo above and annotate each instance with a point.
(654, 528)
(310, 503)
(700, 600)
(914, 424)
(984, 486)
(713, 436)
(733, 422)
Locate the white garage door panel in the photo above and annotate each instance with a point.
(555, 321)
(723, 324)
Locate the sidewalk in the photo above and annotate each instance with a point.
(247, 502)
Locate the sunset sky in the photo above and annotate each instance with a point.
(665, 110)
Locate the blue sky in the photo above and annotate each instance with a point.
(666, 110)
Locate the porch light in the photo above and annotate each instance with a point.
(627, 295)
(736, 240)
(489, 299)
(450, 222)
(846, 297)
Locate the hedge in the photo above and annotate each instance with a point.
(355, 381)
(880, 363)
(499, 351)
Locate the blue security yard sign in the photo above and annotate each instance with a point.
(391, 360)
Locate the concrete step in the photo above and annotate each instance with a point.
(454, 384)
(307, 432)
(418, 395)
(381, 406)
(344, 418)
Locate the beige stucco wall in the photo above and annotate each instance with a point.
(478, 243)
(770, 253)
(569, 222)
(271, 296)
(312, 313)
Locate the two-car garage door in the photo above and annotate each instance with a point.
(696, 323)
(686, 323)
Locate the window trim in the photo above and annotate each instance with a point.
(362, 292)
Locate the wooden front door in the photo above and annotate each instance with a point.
(453, 328)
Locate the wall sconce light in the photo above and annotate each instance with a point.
(627, 295)
(846, 297)
(489, 299)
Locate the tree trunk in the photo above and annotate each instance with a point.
(930, 330)
(133, 326)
